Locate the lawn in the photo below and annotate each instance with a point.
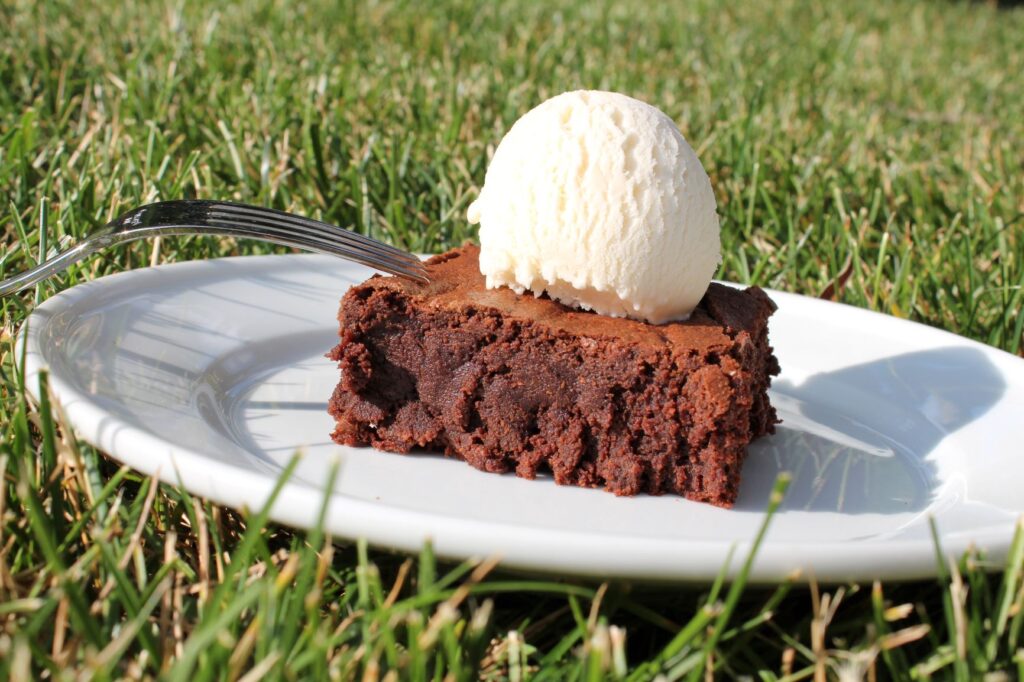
(870, 152)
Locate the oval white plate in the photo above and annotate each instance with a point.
(212, 374)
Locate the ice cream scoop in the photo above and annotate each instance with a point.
(597, 199)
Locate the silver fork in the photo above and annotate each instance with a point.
(227, 218)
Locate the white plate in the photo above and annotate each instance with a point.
(212, 374)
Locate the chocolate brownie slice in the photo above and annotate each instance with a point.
(512, 382)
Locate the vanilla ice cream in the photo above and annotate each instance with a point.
(597, 199)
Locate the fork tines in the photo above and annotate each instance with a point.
(317, 235)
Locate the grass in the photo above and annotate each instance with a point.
(868, 152)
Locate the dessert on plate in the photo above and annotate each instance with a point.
(583, 337)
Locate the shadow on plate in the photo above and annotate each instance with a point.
(859, 440)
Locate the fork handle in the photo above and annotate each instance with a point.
(88, 246)
(105, 238)
(49, 268)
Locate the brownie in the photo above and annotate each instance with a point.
(511, 382)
